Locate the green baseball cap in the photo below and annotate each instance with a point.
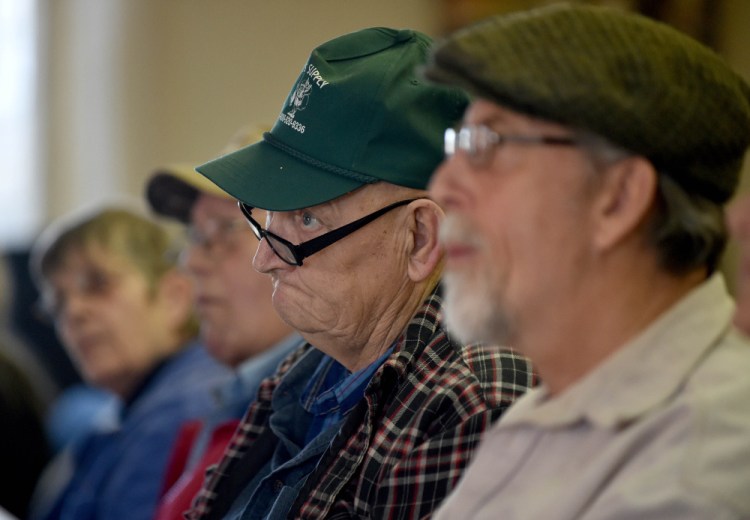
(359, 113)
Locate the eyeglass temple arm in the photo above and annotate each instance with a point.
(316, 244)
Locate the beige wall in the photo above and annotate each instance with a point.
(134, 84)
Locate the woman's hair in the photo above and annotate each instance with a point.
(139, 240)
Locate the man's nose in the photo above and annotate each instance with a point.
(265, 260)
(445, 185)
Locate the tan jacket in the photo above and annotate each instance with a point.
(661, 430)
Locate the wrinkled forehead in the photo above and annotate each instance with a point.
(331, 206)
(364, 199)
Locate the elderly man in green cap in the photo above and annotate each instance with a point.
(380, 412)
(584, 196)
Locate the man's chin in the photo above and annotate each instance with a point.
(462, 316)
(470, 313)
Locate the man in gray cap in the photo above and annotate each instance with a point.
(238, 324)
(380, 414)
(584, 196)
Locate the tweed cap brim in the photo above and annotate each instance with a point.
(639, 83)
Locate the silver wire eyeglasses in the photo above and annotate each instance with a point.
(479, 141)
(294, 254)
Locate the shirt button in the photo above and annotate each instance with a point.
(278, 485)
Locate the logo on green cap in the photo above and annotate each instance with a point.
(300, 97)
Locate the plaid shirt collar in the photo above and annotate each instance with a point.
(480, 383)
(333, 389)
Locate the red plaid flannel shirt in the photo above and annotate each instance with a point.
(406, 444)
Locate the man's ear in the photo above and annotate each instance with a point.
(624, 200)
(425, 253)
(176, 293)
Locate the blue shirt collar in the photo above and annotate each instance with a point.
(333, 391)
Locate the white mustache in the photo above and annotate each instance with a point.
(456, 230)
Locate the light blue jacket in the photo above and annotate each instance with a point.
(116, 471)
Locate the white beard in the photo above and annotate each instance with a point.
(471, 313)
(472, 310)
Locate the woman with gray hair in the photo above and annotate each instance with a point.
(124, 313)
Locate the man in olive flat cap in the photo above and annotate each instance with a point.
(584, 197)
(380, 412)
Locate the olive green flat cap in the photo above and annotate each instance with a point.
(639, 83)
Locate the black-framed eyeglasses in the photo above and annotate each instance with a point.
(479, 141)
(294, 254)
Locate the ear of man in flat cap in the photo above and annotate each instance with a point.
(359, 113)
(639, 83)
